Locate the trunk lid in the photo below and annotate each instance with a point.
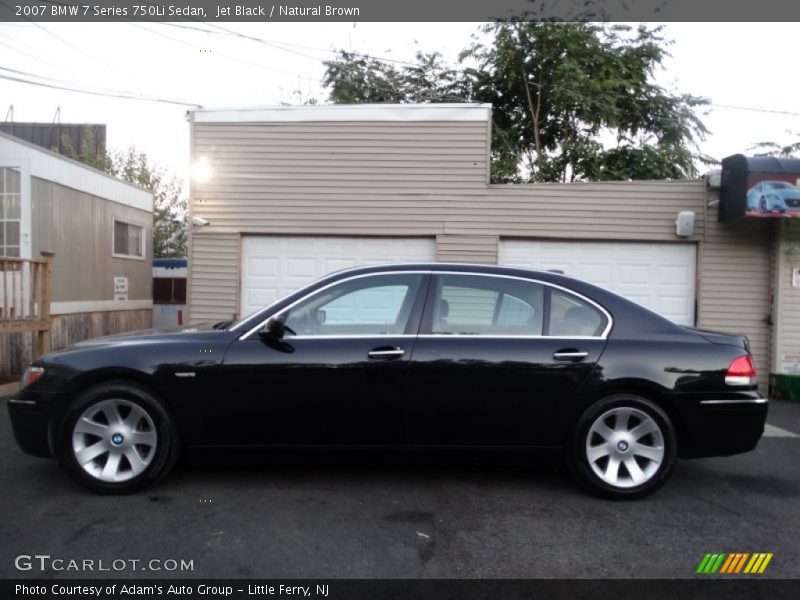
(718, 337)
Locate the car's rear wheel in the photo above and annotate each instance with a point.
(118, 437)
(623, 446)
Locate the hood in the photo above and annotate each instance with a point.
(144, 335)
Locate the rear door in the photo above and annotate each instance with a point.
(496, 358)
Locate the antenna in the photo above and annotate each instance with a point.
(10, 114)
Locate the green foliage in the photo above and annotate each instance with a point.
(356, 79)
(169, 209)
(780, 150)
(572, 101)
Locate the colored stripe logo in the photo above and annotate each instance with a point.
(734, 563)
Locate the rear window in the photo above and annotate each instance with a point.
(571, 316)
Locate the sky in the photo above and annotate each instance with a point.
(741, 65)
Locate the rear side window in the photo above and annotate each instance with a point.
(571, 316)
(485, 305)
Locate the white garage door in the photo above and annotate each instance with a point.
(658, 276)
(274, 266)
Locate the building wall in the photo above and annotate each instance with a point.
(467, 248)
(786, 338)
(394, 178)
(212, 289)
(78, 227)
(735, 280)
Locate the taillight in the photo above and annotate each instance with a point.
(741, 372)
(31, 375)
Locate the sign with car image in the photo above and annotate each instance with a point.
(774, 197)
(763, 187)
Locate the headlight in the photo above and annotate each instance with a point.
(31, 375)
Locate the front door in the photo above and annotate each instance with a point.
(496, 358)
(337, 377)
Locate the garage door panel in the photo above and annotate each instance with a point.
(275, 266)
(658, 276)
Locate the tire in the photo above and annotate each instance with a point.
(628, 431)
(762, 205)
(117, 438)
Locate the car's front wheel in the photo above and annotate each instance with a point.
(623, 447)
(118, 437)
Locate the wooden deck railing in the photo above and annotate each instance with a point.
(25, 291)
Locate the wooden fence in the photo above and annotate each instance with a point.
(26, 291)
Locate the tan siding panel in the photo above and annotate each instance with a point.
(734, 282)
(214, 287)
(787, 334)
(466, 248)
(78, 227)
(397, 179)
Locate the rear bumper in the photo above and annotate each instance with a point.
(724, 426)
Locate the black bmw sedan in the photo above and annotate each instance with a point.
(404, 357)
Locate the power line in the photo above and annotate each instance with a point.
(754, 109)
(221, 54)
(20, 77)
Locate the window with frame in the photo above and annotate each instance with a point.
(373, 305)
(571, 316)
(10, 212)
(486, 305)
(128, 240)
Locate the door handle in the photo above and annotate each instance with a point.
(386, 353)
(570, 355)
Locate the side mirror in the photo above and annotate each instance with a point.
(273, 330)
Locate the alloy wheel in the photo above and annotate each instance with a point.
(114, 440)
(625, 447)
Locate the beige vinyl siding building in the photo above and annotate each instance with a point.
(786, 339)
(396, 181)
(80, 214)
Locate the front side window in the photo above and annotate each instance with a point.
(128, 240)
(485, 305)
(373, 305)
(10, 215)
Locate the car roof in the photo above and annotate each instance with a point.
(451, 267)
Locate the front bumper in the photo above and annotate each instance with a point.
(722, 426)
(30, 421)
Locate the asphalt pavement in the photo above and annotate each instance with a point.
(406, 521)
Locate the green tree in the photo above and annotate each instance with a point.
(778, 149)
(572, 101)
(169, 208)
(354, 78)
